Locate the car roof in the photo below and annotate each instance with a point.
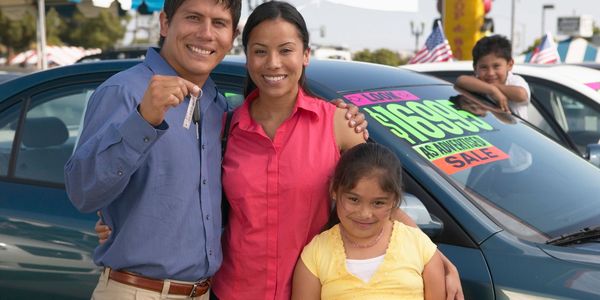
(333, 75)
(574, 77)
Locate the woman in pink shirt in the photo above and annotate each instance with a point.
(282, 149)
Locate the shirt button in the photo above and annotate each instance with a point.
(203, 146)
(209, 252)
(203, 181)
(207, 217)
(146, 139)
(120, 173)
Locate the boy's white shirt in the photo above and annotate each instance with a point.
(519, 108)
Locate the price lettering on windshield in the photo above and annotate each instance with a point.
(442, 134)
(425, 121)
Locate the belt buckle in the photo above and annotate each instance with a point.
(193, 292)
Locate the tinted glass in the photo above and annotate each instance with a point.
(523, 180)
(580, 120)
(49, 134)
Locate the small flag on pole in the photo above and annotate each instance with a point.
(546, 52)
(436, 48)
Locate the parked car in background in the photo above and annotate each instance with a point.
(123, 52)
(564, 103)
(7, 75)
(517, 213)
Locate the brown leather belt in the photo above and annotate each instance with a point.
(175, 288)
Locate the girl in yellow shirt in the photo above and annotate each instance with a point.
(366, 255)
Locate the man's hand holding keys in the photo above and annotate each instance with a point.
(164, 92)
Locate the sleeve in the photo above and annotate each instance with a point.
(426, 247)
(113, 143)
(519, 81)
(310, 256)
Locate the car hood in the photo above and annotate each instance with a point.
(588, 252)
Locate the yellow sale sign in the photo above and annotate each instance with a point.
(462, 25)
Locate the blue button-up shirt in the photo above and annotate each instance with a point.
(159, 189)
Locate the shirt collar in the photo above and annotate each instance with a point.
(304, 102)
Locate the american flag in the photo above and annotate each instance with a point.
(546, 52)
(436, 48)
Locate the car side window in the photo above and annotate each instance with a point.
(49, 133)
(579, 120)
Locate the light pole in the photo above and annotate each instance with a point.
(417, 33)
(544, 8)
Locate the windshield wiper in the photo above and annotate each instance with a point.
(575, 237)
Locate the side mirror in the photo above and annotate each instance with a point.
(414, 208)
(593, 154)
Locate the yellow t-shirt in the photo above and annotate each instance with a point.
(399, 276)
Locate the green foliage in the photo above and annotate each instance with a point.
(380, 56)
(17, 35)
(54, 27)
(102, 31)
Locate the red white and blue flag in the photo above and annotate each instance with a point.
(546, 52)
(436, 48)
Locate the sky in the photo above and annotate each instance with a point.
(370, 29)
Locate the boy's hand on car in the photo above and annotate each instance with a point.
(501, 100)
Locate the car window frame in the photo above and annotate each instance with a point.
(52, 86)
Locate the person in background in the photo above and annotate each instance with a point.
(492, 63)
(365, 254)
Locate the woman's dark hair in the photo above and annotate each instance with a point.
(273, 10)
(364, 161)
(497, 44)
(234, 7)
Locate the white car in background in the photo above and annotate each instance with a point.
(565, 103)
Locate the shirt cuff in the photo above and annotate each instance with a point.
(139, 134)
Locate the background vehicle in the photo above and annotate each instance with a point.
(500, 199)
(564, 103)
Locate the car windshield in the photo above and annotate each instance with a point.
(527, 183)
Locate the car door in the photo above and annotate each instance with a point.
(45, 243)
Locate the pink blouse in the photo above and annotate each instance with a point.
(278, 191)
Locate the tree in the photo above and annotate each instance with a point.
(102, 31)
(55, 26)
(17, 35)
(380, 56)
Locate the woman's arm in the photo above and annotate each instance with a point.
(433, 278)
(305, 285)
(345, 136)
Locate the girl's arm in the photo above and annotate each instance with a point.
(433, 278)
(305, 285)
(452, 281)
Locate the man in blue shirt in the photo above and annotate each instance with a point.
(156, 182)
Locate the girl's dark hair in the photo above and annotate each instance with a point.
(234, 7)
(273, 10)
(497, 44)
(364, 161)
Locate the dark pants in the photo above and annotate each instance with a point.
(213, 296)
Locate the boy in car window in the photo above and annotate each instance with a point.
(492, 63)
